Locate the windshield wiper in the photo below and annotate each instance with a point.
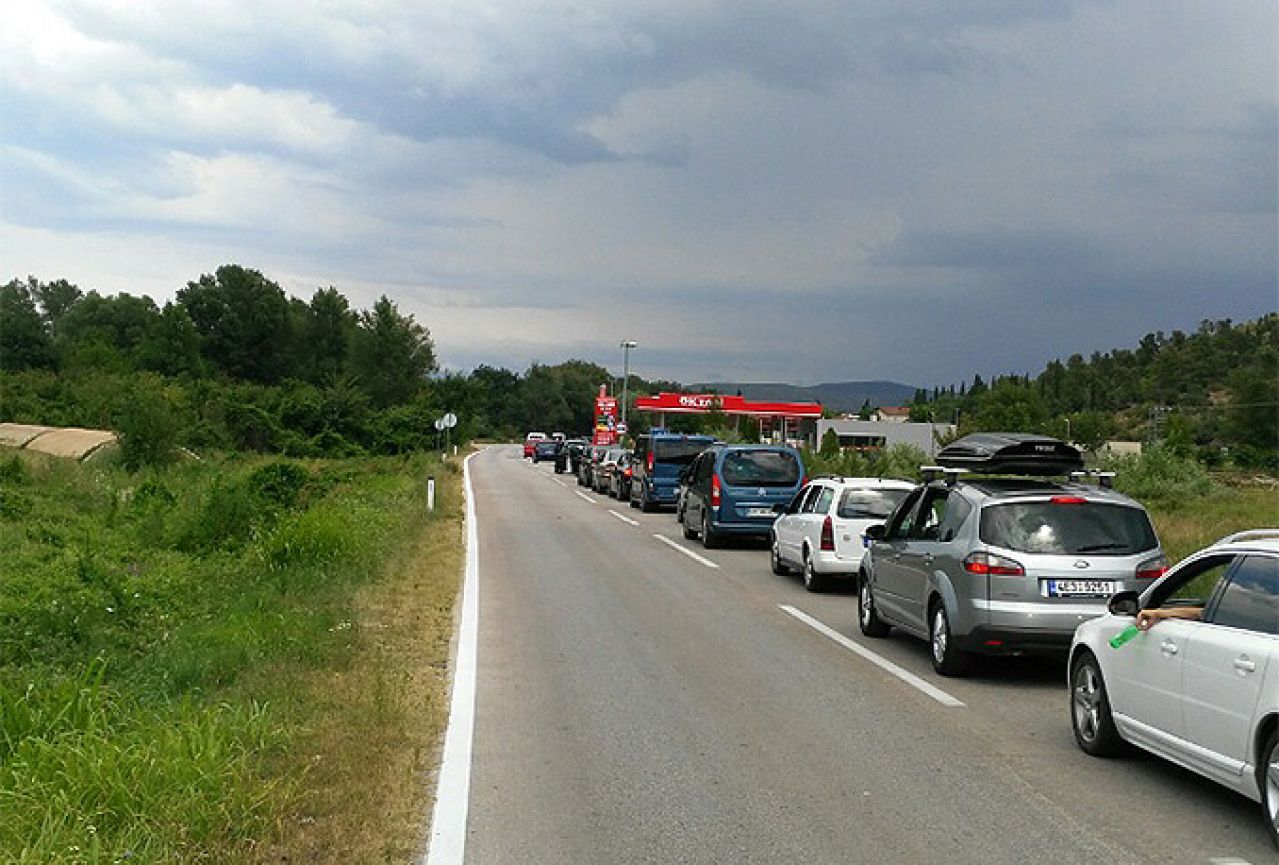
(1096, 548)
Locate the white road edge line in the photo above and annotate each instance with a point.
(883, 663)
(627, 520)
(1228, 860)
(692, 555)
(584, 497)
(453, 788)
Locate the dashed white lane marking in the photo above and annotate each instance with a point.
(1227, 860)
(627, 520)
(453, 790)
(692, 555)
(583, 496)
(557, 481)
(883, 663)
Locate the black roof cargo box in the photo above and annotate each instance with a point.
(1000, 453)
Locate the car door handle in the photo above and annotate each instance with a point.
(1245, 665)
(928, 558)
(1168, 647)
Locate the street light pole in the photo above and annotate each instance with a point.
(627, 345)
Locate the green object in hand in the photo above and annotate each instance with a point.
(1124, 636)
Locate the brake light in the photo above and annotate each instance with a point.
(627, 472)
(828, 535)
(1068, 500)
(989, 564)
(650, 462)
(714, 491)
(1152, 569)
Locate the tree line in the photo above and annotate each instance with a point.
(1213, 394)
(233, 362)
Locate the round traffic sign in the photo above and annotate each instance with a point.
(449, 420)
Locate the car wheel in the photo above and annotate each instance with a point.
(867, 617)
(775, 558)
(948, 659)
(646, 506)
(813, 581)
(633, 502)
(709, 540)
(1268, 781)
(1090, 709)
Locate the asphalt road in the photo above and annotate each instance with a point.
(635, 705)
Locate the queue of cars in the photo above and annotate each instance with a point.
(1008, 546)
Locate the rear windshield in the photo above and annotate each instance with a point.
(760, 468)
(869, 504)
(1091, 528)
(678, 452)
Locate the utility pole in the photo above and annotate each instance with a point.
(627, 345)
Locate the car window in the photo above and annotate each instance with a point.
(810, 499)
(932, 511)
(677, 451)
(903, 518)
(763, 468)
(869, 504)
(957, 511)
(824, 498)
(1068, 527)
(1194, 584)
(1250, 600)
(706, 468)
(797, 500)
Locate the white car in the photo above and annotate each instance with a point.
(1201, 690)
(820, 531)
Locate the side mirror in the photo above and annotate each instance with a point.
(875, 532)
(1124, 604)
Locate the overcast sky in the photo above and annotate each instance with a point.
(913, 190)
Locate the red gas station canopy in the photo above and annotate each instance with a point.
(701, 403)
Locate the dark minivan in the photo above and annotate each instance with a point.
(736, 488)
(659, 457)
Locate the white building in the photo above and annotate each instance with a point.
(873, 434)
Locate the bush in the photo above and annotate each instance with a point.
(148, 429)
(1160, 473)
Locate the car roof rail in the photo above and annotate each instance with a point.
(1106, 480)
(1249, 535)
(932, 473)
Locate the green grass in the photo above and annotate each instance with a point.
(160, 635)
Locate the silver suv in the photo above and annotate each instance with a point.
(1003, 564)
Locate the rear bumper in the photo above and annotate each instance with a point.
(995, 641)
(743, 530)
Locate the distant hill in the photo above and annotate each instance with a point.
(840, 396)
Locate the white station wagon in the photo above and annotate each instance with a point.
(820, 532)
(1200, 687)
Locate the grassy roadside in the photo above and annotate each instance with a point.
(240, 660)
(1186, 525)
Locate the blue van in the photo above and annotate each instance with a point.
(733, 490)
(659, 458)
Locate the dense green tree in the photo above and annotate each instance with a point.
(391, 354)
(24, 341)
(55, 299)
(244, 323)
(330, 327)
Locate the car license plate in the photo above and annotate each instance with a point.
(1079, 588)
(760, 512)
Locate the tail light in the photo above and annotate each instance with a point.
(627, 472)
(828, 535)
(1152, 569)
(989, 564)
(650, 462)
(714, 491)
